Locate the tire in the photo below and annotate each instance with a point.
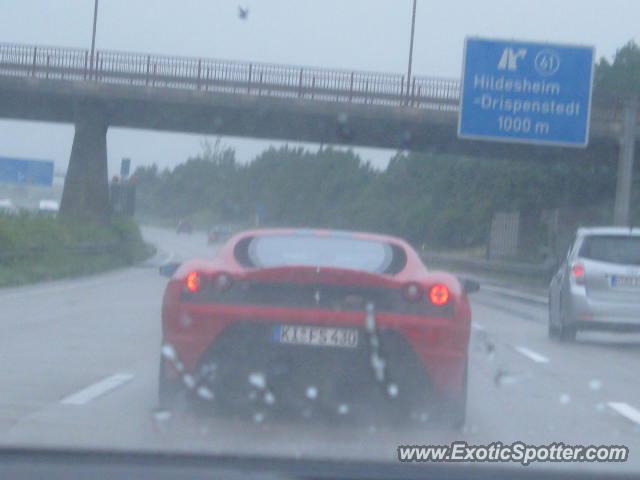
(553, 331)
(566, 331)
(168, 391)
(457, 408)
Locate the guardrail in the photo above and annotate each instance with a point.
(78, 249)
(542, 270)
(259, 79)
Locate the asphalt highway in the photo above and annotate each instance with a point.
(79, 360)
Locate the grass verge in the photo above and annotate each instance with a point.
(36, 248)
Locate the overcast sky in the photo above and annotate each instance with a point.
(354, 34)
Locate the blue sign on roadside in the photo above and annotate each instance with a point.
(516, 91)
(26, 172)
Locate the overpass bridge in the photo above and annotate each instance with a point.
(256, 100)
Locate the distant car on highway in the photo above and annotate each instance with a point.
(48, 207)
(316, 321)
(597, 287)
(184, 227)
(218, 234)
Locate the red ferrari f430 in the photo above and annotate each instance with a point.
(316, 322)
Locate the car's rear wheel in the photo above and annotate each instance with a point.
(456, 409)
(169, 392)
(566, 331)
(553, 330)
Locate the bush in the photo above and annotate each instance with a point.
(35, 248)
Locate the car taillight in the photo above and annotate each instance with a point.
(577, 272)
(439, 294)
(412, 292)
(193, 282)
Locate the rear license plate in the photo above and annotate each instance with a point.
(316, 336)
(621, 281)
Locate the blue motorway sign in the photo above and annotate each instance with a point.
(526, 92)
(26, 171)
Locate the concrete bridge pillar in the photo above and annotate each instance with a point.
(86, 186)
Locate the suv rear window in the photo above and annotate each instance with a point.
(318, 250)
(612, 249)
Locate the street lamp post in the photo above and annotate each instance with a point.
(413, 29)
(93, 35)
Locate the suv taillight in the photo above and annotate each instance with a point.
(577, 273)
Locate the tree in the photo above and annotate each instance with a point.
(621, 77)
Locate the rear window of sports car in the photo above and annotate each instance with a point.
(337, 251)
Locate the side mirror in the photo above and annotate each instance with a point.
(168, 269)
(470, 286)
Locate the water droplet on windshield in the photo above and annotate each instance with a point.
(185, 320)
(161, 415)
(343, 409)
(565, 399)
(269, 399)
(392, 390)
(189, 381)
(257, 380)
(204, 392)
(312, 392)
(595, 384)
(160, 419)
(168, 352)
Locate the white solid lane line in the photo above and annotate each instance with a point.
(100, 388)
(531, 355)
(626, 411)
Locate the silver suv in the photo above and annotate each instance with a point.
(597, 287)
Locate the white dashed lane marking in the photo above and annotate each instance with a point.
(626, 411)
(531, 355)
(92, 392)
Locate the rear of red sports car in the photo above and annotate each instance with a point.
(316, 322)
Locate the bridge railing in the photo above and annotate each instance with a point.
(229, 77)
(44, 62)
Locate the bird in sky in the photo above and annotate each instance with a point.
(243, 12)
